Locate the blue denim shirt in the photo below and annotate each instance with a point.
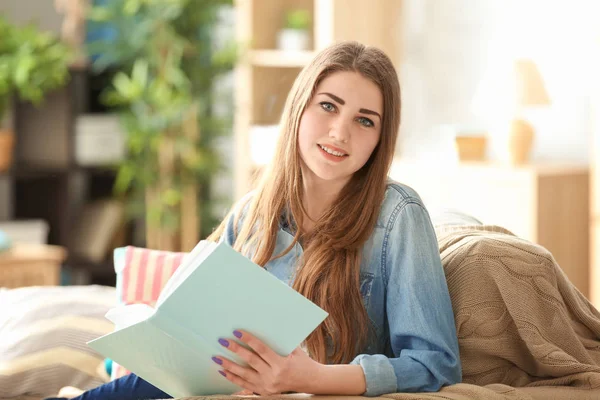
(404, 290)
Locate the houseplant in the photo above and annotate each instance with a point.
(32, 63)
(167, 65)
(295, 35)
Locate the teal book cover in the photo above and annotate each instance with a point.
(215, 291)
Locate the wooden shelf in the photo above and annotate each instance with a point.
(280, 58)
(45, 171)
(31, 171)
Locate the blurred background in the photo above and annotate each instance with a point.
(139, 122)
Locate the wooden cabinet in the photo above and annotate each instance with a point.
(546, 204)
(595, 262)
(595, 194)
(265, 74)
(31, 265)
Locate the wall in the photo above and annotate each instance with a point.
(449, 46)
(41, 12)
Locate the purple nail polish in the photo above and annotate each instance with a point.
(237, 334)
(223, 342)
(217, 360)
(222, 373)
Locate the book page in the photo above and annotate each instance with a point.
(125, 316)
(190, 262)
(181, 368)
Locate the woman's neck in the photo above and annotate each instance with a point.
(318, 196)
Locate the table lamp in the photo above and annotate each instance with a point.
(529, 91)
(505, 92)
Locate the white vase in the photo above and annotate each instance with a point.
(293, 40)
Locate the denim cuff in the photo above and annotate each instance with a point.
(379, 374)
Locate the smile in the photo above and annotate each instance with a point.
(332, 152)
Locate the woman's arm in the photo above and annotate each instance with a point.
(419, 311)
(338, 379)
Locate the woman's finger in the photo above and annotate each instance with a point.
(254, 360)
(239, 381)
(246, 373)
(259, 347)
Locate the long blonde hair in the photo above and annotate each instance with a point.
(328, 272)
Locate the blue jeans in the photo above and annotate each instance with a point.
(129, 387)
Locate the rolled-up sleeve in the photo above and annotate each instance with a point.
(419, 312)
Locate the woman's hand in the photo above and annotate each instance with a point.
(267, 372)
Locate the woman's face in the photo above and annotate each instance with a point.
(340, 127)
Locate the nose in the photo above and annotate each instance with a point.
(339, 132)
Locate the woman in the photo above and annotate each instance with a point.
(326, 220)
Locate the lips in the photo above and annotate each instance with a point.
(335, 149)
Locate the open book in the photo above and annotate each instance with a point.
(215, 291)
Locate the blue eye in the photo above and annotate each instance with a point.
(366, 122)
(327, 106)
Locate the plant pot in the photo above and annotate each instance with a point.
(471, 148)
(293, 40)
(7, 141)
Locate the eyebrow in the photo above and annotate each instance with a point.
(342, 102)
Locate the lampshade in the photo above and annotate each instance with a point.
(529, 86)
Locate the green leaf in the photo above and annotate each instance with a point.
(121, 82)
(297, 19)
(99, 14)
(23, 69)
(177, 77)
(124, 178)
(140, 72)
(171, 197)
(126, 87)
(113, 98)
(154, 215)
(136, 143)
(131, 7)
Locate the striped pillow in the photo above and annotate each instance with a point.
(141, 275)
(43, 335)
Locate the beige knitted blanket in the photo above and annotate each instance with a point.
(525, 332)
